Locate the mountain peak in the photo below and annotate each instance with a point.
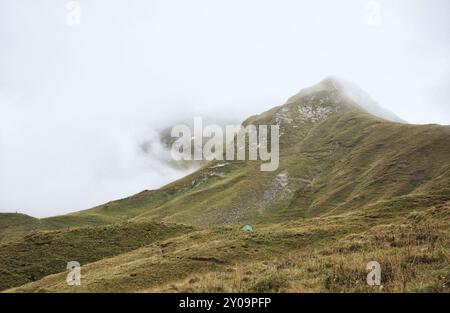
(328, 84)
(344, 94)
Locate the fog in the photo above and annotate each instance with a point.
(76, 101)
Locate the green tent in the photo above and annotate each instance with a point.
(247, 228)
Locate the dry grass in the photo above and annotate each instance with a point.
(413, 253)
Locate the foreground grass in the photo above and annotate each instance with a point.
(413, 253)
(327, 254)
(47, 252)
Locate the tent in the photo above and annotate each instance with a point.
(247, 228)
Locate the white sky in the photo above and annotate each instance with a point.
(75, 101)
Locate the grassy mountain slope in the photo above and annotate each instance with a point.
(14, 225)
(334, 157)
(350, 188)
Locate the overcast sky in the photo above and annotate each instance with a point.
(76, 100)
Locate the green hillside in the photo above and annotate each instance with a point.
(334, 157)
(14, 225)
(351, 187)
